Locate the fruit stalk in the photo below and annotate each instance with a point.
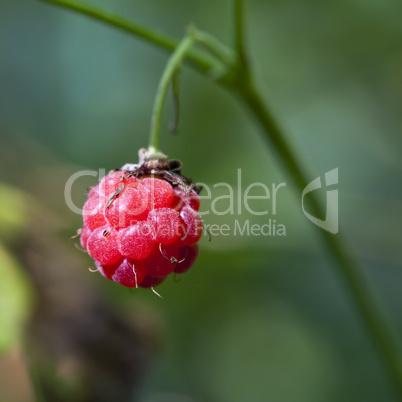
(172, 66)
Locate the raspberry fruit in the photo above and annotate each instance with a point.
(141, 223)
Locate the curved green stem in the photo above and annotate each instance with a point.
(174, 63)
(198, 58)
(350, 271)
(239, 81)
(239, 31)
(172, 66)
(223, 53)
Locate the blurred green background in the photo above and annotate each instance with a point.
(257, 318)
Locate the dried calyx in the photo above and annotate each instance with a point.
(157, 164)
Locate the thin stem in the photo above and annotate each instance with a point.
(352, 274)
(174, 124)
(239, 32)
(222, 52)
(198, 58)
(172, 66)
(214, 46)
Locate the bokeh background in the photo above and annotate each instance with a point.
(257, 318)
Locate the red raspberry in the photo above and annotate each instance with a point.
(114, 180)
(162, 261)
(93, 212)
(136, 241)
(192, 227)
(183, 198)
(151, 281)
(129, 273)
(129, 207)
(102, 245)
(107, 270)
(85, 233)
(141, 224)
(160, 192)
(187, 258)
(165, 224)
(94, 191)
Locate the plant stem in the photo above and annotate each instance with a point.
(172, 66)
(239, 32)
(223, 53)
(199, 59)
(351, 273)
(360, 291)
(174, 63)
